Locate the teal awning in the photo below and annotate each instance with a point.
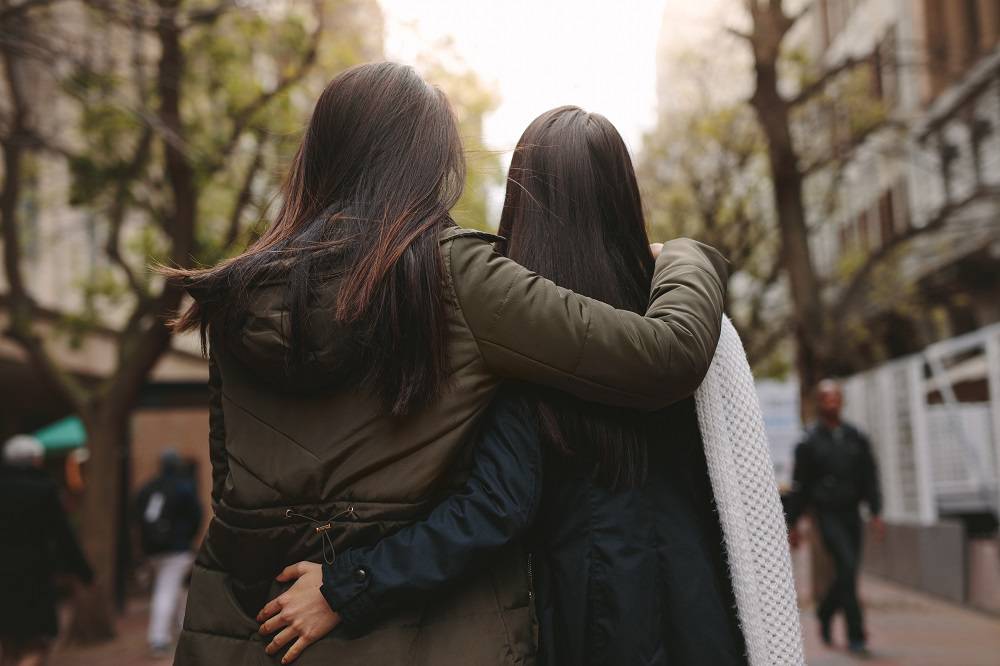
(67, 433)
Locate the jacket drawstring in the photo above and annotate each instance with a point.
(323, 529)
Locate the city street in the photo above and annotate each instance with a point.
(906, 629)
(277, 276)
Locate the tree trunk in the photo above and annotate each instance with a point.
(773, 113)
(107, 428)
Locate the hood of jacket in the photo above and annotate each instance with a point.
(328, 353)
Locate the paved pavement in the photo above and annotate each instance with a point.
(910, 629)
(906, 629)
(128, 649)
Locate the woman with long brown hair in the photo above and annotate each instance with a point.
(353, 348)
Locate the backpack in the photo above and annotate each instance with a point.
(157, 529)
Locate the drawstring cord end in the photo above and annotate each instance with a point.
(323, 529)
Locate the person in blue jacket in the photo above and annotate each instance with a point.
(627, 563)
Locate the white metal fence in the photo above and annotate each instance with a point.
(934, 420)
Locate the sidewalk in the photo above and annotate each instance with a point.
(906, 629)
(128, 649)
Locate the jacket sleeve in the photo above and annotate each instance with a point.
(802, 481)
(495, 506)
(216, 431)
(530, 329)
(871, 490)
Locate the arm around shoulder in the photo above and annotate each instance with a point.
(530, 329)
(495, 506)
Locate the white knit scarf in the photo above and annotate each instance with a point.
(746, 498)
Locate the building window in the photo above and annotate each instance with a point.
(900, 206)
(885, 80)
(970, 15)
(886, 218)
(864, 232)
(956, 34)
(834, 15)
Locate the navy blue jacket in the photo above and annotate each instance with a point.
(178, 517)
(628, 577)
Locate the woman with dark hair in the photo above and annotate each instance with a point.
(354, 347)
(629, 564)
(631, 568)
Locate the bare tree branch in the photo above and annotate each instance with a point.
(242, 118)
(243, 196)
(739, 34)
(771, 278)
(759, 346)
(133, 14)
(147, 334)
(13, 11)
(802, 13)
(209, 15)
(859, 279)
(818, 86)
(22, 305)
(119, 208)
(841, 156)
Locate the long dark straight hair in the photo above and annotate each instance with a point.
(375, 176)
(573, 214)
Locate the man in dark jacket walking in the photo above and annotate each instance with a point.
(36, 544)
(169, 518)
(834, 473)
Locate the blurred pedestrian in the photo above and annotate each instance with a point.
(834, 473)
(36, 544)
(169, 514)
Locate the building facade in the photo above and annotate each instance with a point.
(933, 174)
(928, 386)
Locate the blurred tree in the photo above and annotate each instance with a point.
(776, 113)
(182, 110)
(472, 100)
(703, 173)
(812, 134)
(709, 169)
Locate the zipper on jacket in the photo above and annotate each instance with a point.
(323, 527)
(531, 577)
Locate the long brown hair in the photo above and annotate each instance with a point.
(379, 168)
(573, 214)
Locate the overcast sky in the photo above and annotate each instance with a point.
(538, 54)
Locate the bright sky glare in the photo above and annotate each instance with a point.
(538, 54)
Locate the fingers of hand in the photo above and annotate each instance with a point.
(275, 623)
(273, 607)
(296, 649)
(281, 640)
(290, 572)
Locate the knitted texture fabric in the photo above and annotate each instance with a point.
(750, 512)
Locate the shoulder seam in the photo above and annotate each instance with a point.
(450, 274)
(458, 232)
